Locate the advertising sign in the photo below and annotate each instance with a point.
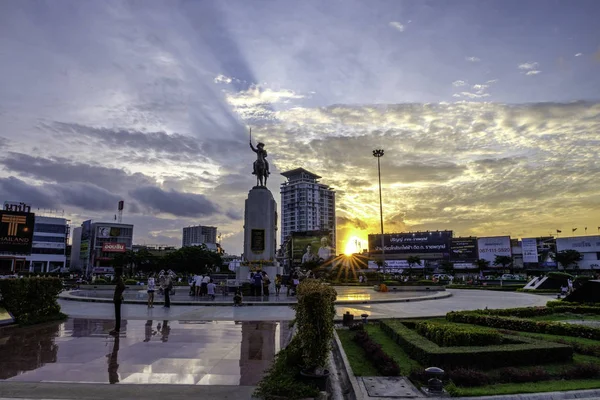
(16, 232)
(583, 244)
(392, 265)
(530, 251)
(414, 242)
(311, 246)
(464, 266)
(114, 247)
(490, 247)
(257, 240)
(463, 249)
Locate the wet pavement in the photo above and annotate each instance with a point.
(152, 351)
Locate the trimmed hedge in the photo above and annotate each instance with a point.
(31, 300)
(385, 364)
(559, 276)
(505, 288)
(524, 325)
(451, 335)
(527, 352)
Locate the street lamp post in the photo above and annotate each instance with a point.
(378, 154)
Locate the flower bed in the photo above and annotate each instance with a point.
(526, 352)
(385, 364)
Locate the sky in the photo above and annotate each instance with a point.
(488, 111)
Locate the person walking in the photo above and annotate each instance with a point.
(151, 290)
(118, 300)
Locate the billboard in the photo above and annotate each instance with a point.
(490, 247)
(114, 247)
(462, 249)
(583, 244)
(16, 232)
(530, 250)
(412, 242)
(108, 231)
(311, 246)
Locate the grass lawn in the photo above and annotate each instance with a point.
(356, 355)
(567, 317)
(559, 338)
(536, 387)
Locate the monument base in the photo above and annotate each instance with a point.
(260, 226)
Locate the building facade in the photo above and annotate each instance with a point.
(197, 235)
(100, 242)
(48, 251)
(306, 205)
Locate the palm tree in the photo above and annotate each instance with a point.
(567, 258)
(482, 264)
(504, 261)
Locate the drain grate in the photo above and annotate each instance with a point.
(395, 387)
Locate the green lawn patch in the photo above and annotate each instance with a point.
(529, 387)
(406, 363)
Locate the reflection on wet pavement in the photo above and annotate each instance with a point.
(173, 352)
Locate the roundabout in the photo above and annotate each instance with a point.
(347, 295)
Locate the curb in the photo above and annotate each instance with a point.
(69, 297)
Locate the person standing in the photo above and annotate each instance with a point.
(204, 287)
(258, 282)
(211, 289)
(167, 286)
(198, 283)
(151, 290)
(277, 284)
(266, 282)
(118, 300)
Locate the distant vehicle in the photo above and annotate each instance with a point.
(442, 277)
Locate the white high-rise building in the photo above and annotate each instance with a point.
(199, 234)
(306, 204)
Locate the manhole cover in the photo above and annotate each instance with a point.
(380, 386)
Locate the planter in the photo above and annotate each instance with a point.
(318, 380)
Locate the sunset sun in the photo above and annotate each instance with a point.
(353, 245)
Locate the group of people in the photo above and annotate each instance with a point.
(203, 286)
(566, 289)
(260, 282)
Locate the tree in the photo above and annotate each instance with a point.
(446, 266)
(482, 264)
(567, 258)
(505, 261)
(412, 261)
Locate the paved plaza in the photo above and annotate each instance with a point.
(222, 351)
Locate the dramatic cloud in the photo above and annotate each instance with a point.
(397, 25)
(174, 203)
(152, 104)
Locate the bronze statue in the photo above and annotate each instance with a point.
(261, 165)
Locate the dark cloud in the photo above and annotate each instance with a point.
(174, 146)
(82, 195)
(62, 170)
(173, 202)
(234, 214)
(354, 222)
(14, 189)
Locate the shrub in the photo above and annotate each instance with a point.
(582, 371)
(561, 276)
(385, 364)
(315, 312)
(527, 352)
(468, 377)
(281, 379)
(516, 375)
(131, 282)
(452, 335)
(100, 281)
(517, 324)
(31, 300)
(527, 312)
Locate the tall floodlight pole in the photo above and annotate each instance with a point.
(378, 154)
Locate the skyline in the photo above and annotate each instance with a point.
(488, 111)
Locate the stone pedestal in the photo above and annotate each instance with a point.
(260, 226)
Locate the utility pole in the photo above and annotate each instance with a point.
(378, 154)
